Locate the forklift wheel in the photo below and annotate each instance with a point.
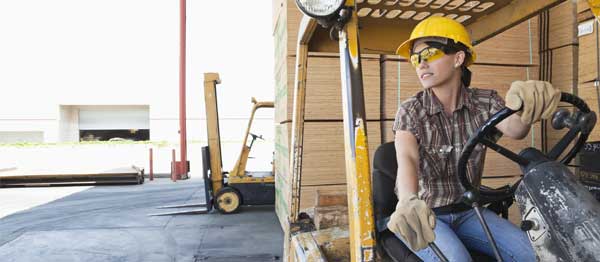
(228, 200)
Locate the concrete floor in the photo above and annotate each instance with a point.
(111, 223)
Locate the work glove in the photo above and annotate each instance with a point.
(414, 221)
(538, 98)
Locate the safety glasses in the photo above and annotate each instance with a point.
(428, 54)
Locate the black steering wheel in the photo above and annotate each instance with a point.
(580, 122)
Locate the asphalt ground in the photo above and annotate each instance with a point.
(112, 223)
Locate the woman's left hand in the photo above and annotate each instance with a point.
(538, 98)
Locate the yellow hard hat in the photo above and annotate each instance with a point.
(437, 26)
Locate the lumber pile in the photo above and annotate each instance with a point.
(46, 177)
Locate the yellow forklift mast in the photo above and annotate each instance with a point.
(335, 26)
(227, 191)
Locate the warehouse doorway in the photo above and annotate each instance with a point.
(114, 123)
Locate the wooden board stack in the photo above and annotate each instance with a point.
(589, 61)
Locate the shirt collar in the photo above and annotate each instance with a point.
(434, 106)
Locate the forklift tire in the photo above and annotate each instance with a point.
(228, 200)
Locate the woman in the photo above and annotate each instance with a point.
(431, 129)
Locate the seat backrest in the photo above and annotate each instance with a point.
(384, 180)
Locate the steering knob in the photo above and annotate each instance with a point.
(588, 121)
(561, 119)
(469, 197)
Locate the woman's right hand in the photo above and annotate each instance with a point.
(414, 221)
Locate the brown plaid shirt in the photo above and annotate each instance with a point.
(441, 139)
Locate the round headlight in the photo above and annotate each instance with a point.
(320, 8)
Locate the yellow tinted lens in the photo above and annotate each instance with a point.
(429, 54)
(414, 60)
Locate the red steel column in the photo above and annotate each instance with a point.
(182, 165)
(151, 166)
(173, 167)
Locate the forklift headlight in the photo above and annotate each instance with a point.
(320, 8)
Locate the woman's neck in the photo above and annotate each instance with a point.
(448, 95)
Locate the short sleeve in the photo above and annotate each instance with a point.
(406, 121)
(496, 102)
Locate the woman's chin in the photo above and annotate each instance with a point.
(427, 83)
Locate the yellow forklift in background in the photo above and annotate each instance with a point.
(334, 26)
(227, 191)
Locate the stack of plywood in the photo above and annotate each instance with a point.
(589, 61)
(323, 167)
(561, 45)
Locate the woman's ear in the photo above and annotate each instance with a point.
(459, 59)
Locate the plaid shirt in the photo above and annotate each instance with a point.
(441, 139)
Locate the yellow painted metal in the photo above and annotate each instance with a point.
(247, 179)
(307, 27)
(385, 24)
(239, 168)
(306, 248)
(362, 234)
(358, 173)
(595, 6)
(212, 123)
(228, 201)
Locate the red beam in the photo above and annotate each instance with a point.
(182, 170)
(151, 166)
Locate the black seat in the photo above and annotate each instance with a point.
(384, 180)
(384, 200)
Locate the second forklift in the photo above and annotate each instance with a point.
(227, 191)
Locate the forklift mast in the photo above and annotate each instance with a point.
(212, 124)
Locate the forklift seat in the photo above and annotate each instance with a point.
(384, 200)
(384, 203)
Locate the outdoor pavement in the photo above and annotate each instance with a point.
(111, 223)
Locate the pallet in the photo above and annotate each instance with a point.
(24, 178)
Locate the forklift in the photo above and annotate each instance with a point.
(560, 216)
(227, 191)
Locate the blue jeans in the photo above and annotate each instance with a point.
(455, 233)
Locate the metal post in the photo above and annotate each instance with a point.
(358, 172)
(181, 169)
(486, 229)
(307, 28)
(173, 167)
(151, 166)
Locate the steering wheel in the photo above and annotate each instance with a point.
(580, 122)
